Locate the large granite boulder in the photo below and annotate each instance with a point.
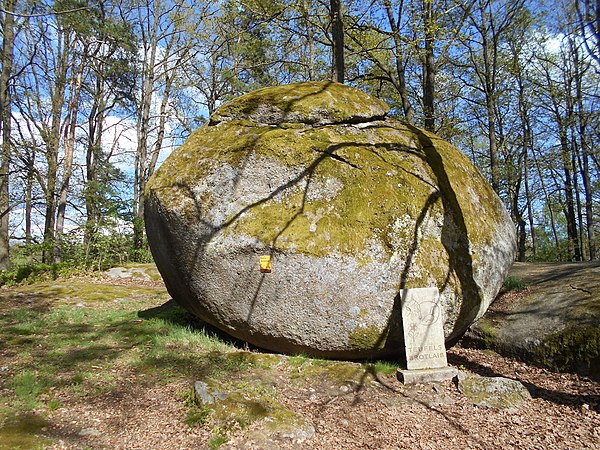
(351, 206)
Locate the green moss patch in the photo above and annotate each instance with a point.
(575, 349)
(81, 292)
(303, 102)
(330, 375)
(487, 335)
(241, 403)
(23, 432)
(494, 392)
(367, 338)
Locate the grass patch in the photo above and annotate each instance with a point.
(384, 367)
(26, 386)
(82, 338)
(196, 415)
(299, 360)
(186, 337)
(218, 438)
(514, 284)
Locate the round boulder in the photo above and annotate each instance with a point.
(350, 206)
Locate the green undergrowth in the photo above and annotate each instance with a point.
(34, 273)
(514, 284)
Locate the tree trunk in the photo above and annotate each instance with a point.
(162, 121)
(548, 203)
(529, 199)
(143, 132)
(569, 208)
(584, 158)
(521, 238)
(578, 206)
(167, 47)
(69, 147)
(337, 37)
(91, 160)
(493, 142)
(52, 141)
(526, 144)
(518, 218)
(563, 122)
(5, 128)
(589, 212)
(310, 40)
(29, 197)
(429, 67)
(400, 83)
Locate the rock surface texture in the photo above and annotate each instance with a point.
(351, 206)
(553, 320)
(498, 393)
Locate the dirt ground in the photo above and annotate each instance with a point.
(564, 413)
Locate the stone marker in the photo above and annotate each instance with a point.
(423, 325)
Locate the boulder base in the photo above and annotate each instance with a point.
(347, 205)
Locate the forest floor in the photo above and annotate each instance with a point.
(102, 363)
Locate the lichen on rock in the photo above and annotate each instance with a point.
(350, 205)
(305, 103)
(498, 393)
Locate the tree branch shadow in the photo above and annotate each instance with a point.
(454, 238)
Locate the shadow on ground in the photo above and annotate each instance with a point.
(554, 396)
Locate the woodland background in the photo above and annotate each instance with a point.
(94, 95)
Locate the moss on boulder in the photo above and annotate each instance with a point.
(350, 205)
(503, 394)
(574, 349)
(306, 103)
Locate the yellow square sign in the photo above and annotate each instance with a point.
(265, 264)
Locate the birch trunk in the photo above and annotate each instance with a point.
(5, 129)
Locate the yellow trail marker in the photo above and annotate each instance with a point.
(265, 264)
